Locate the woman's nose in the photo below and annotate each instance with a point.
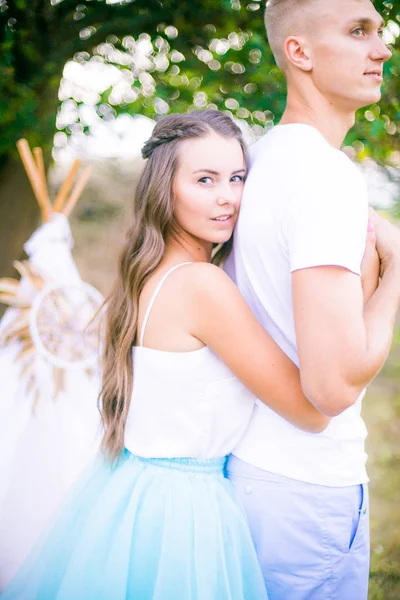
(226, 196)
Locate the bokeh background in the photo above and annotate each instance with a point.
(89, 79)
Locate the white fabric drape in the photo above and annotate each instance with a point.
(42, 451)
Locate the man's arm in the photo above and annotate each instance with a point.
(343, 344)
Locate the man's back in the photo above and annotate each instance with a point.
(305, 205)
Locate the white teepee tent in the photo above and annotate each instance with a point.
(49, 421)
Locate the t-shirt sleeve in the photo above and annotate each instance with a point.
(326, 217)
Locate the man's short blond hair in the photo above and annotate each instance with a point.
(282, 19)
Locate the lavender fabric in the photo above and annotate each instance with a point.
(312, 541)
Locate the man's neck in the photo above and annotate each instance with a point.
(321, 114)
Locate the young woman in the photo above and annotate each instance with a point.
(184, 359)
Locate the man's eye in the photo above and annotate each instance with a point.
(380, 33)
(358, 32)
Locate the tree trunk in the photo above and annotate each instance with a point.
(19, 215)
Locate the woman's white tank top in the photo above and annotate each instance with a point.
(184, 404)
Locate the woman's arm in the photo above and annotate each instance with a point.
(224, 322)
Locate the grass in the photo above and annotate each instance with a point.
(382, 415)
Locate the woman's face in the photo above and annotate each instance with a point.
(208, 187)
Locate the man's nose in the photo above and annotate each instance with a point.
(381, 51)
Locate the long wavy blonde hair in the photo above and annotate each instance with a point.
(153, 221)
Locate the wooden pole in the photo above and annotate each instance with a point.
(33, 175)
(38, 154)
(65, 188)
(77, 191)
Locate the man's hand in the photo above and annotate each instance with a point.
(387, 242)
(370, 266)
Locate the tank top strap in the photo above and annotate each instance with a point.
(154, 296)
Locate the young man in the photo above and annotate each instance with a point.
(297, 253)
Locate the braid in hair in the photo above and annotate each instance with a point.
(172, 129)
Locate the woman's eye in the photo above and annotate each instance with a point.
(237, 178)
(205, 180)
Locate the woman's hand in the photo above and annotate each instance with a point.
(370, 265)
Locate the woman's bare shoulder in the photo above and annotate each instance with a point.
(203, 276)
(206, 284)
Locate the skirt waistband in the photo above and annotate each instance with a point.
(194, 465)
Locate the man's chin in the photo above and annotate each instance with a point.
(368, 99)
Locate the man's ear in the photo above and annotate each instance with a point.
(298, 53)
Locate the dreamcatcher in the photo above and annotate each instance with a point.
(54, 313)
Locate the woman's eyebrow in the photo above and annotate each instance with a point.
(206, 171)
(216, 172)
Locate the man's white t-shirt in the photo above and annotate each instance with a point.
(304, 205)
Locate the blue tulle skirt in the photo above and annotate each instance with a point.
(145, 529)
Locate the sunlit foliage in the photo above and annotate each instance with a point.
(168, 55)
